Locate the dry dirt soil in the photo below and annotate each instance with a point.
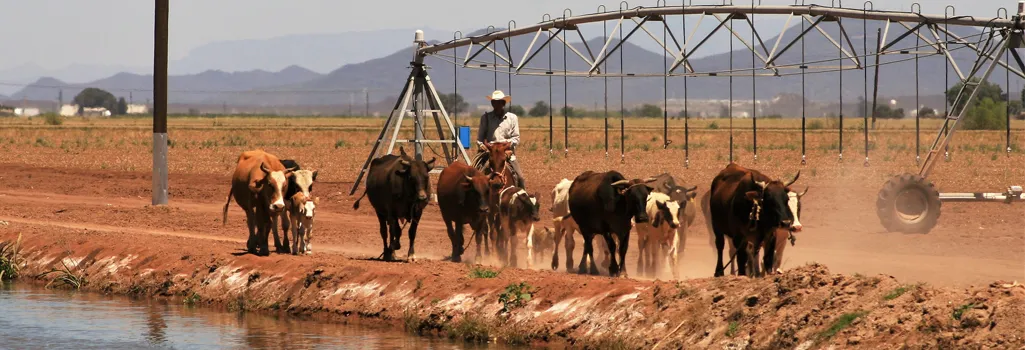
(83, 191)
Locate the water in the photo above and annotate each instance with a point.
(35, 318)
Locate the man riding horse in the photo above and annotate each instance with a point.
(499, 126)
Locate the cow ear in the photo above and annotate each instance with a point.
(430, 163)
(402, 152)
(752, 196)
(264, 168)
(508, 152)
(692, 195)
(316, 200)
(315, 174)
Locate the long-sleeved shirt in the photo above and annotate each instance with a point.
(494, 128)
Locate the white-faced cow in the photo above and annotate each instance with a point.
(300, 183)
(749, 210)
(463, 194)
(300, 211)
(604, 204)
(563, 223)
(659, 235)
(399, 188)
(782, 236)
(517, 211)
(257, 185)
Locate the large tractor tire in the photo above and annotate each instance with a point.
(908, 203)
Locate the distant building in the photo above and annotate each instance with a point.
(137, 109)
(69, 110)
(26, 112)
(95, 112)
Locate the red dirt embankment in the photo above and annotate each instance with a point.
(807, 307)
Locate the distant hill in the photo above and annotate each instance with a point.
(78, 73)
(319, 52)
(182, 88)
(384, 77)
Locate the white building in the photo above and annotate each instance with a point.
(95, 112)
(69, 110)
(26, 112)
(137, 109)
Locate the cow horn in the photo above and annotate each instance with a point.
(794, 180)
(761, 184)
(621, 183)
(799, 195)
(650, 180)
(468, 177)
(692, 189)
(404, 162)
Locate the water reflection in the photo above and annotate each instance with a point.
(35, 318)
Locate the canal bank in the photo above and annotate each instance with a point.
(806, 307)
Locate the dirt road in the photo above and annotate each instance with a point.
(974, 244)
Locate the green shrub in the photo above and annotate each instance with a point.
(53, 119)
(481, 272)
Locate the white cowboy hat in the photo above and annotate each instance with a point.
(499, 95)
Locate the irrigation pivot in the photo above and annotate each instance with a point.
(906, 203)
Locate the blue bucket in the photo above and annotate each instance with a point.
(464, 136)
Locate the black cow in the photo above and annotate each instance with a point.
(604, 203)
(463, 199)
(748, 207)
(399, 188)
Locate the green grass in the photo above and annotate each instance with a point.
(732, 329)
(844, 321)
(65, 277)
(896, 293)
(515, 295)
(192, 299)
(10, 261)
(471, 329)
(960, 310)
(482, 272)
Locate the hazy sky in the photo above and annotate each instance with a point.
(56, 33)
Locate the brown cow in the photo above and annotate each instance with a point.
(463, 199)
(748, 210)
(399, 188)
(257, 186)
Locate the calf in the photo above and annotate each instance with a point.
(539, 243)
(605, 203)
(300, 183)
(257, 187)
(399, 188)
(463, 199)
(517, 210)
(300, 215)
(661, 234)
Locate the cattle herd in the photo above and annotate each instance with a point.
(753, 211)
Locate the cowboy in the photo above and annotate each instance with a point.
(501, 126)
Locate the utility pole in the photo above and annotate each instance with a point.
(60, 100)
(367, 94)
(160, 103)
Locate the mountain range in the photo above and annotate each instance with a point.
(382, 77)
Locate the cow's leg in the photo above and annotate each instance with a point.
(720, 243)
(642, 245)
(394, 234)
(557, 234)
(411, 255)
(588, 248)
(781, 244)
(382, 219)
(278, 247)
(614, 264)
(285, 222)
(530, 248)
(733, 256)
(769, 256)
(679, 243)
(570, 244)
(266, 224)
(293, 220)
(251, 223)
(479, 231)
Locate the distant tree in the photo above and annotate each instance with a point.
(567, 111)
(987, 90)
(454, 103)
(682, 114)
(1014, 107)
(516, 109)
(986, 115)
(122, 107)
(926, 112)
(540, 109)
(649, 111)
(193, 111)
(93, 97)
(724, 111)
(885, 112)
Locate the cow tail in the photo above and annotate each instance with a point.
(356, 205)
(706, 210)
(225, 222)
